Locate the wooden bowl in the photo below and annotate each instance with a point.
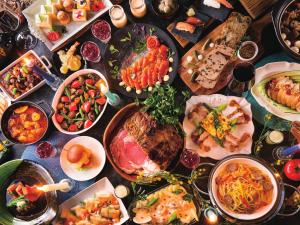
(112, 129)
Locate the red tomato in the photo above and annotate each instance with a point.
(65, 99)
(92, 93)
(53, 35)
(89, 81)
(86, 106)
(87, 123)
(76, 84)
(292, 169)
(59, 118)
(73, 106)
(152, 42)
(73, 128)
(101, 101)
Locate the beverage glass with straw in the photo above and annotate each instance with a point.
(242, 75)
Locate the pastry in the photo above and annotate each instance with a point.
(43, 21)
(48, 10)
(56, 3)
(84, 4)
(63, 17)
(79, 15)
(68, 5)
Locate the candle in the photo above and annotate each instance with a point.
(54, 187)
(291, 150)
(28, 62)
(211, 215)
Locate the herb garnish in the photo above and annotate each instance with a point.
(163, 106)
(112, 49)
(126, 38)
(152, 202)
(140, 46)
(16, 201)
(111, 62)
(114, 72)
(177, 191)
(188, 197)
(151, 30)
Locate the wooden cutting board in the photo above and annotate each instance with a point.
(256, 7)
(255, 31)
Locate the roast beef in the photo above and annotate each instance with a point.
(143, 144)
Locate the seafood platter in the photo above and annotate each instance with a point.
(151, 112)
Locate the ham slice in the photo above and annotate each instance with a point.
(129, 155)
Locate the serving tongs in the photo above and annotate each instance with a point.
(51, 79)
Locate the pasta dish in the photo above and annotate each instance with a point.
(243, 189)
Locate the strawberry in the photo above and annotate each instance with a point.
(53, 35)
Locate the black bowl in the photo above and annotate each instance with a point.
(154, 6)
(8, 112)
(277, 13)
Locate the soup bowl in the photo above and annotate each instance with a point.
(42, 107)
(260, 215)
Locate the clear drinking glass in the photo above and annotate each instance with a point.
(242, 75)
(118, 16)
(138, 8)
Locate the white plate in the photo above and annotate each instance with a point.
(215, 100)
(269, 70)
(97, 152)
(102, 186)
(72, 29)
(60, 91)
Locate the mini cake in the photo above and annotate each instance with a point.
(56, 3)
(43, 21)
(79, 15)
(48, 10)
(84, 4)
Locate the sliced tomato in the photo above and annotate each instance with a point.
(65, 99)
(76, 84)
(73, 128)
(92, 93)
(89, 81)
(101, 101)
(59, 118)
(88, 123)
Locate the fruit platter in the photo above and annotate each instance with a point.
(149, 112)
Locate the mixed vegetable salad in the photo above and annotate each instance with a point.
(81, 103)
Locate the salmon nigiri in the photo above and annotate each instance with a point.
(225, 3)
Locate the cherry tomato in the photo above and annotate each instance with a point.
(59, 118)
(73, 106)
(92, 93)
(152, 42)
(65, 99)
(292, 169)
(87, 106)
(73, 128)
(101, 101)
(88, 123)
(89, 81)
(76, 84)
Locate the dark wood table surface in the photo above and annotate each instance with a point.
(45, 93)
